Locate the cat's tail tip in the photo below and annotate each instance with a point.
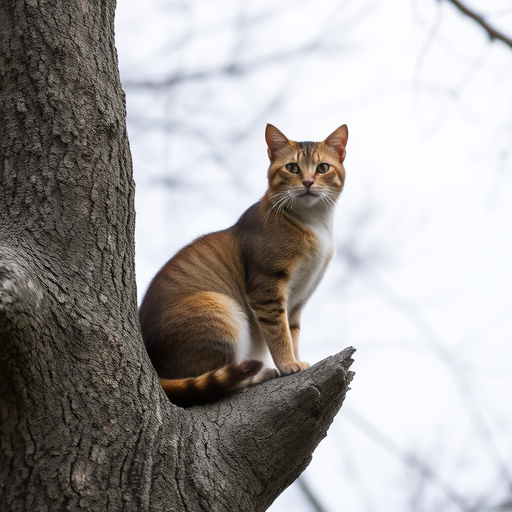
(211, 386)
(245, 370)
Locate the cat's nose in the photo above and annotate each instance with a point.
(307, 183)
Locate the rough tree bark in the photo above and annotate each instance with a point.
(84, 423)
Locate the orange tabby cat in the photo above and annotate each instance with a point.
(214, 309)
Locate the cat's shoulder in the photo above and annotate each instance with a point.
(249, 221)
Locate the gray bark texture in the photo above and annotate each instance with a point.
(84, 423)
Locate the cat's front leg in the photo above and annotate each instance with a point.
(272, 319)
(293, 325)
(294, 322)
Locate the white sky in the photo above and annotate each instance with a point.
(427, 206)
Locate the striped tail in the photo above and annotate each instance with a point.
(211, 386)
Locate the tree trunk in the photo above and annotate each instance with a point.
(84, 422)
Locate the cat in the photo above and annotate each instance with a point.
(212, 313)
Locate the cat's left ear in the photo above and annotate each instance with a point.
(276, 140)
(338, 141)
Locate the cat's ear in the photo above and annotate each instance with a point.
(276, 140)
(338, 141)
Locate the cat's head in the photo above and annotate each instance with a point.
(303, 175)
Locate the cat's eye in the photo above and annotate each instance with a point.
(322, 168)
(293, 168)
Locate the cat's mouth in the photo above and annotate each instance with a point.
(308, 197)
(308, 192)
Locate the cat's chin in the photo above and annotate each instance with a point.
(307, 200)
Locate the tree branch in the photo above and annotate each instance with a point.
(492, 32)
(263, 437)
(229, 69)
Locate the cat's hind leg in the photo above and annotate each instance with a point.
(202, 331)
(207, 358)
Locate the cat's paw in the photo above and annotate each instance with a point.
(293, 367)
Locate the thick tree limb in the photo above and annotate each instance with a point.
(270, 430)
(241, 453)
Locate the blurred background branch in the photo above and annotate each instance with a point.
(492, 32)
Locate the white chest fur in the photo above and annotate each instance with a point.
(310, 268)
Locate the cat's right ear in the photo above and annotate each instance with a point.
(276, 140)
(338, 141)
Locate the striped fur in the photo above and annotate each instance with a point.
(211, 386)
(214, 311)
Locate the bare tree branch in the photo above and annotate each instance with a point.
(230, 69)
(493, 33)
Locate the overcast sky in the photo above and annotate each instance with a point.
(422, 283)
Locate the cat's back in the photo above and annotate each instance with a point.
(209, 263)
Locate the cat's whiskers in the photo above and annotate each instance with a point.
(277, 195)
(323, 194)
(289, 199)
(337, 200)
(279, 203)
(345, 207)
(328, 199)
